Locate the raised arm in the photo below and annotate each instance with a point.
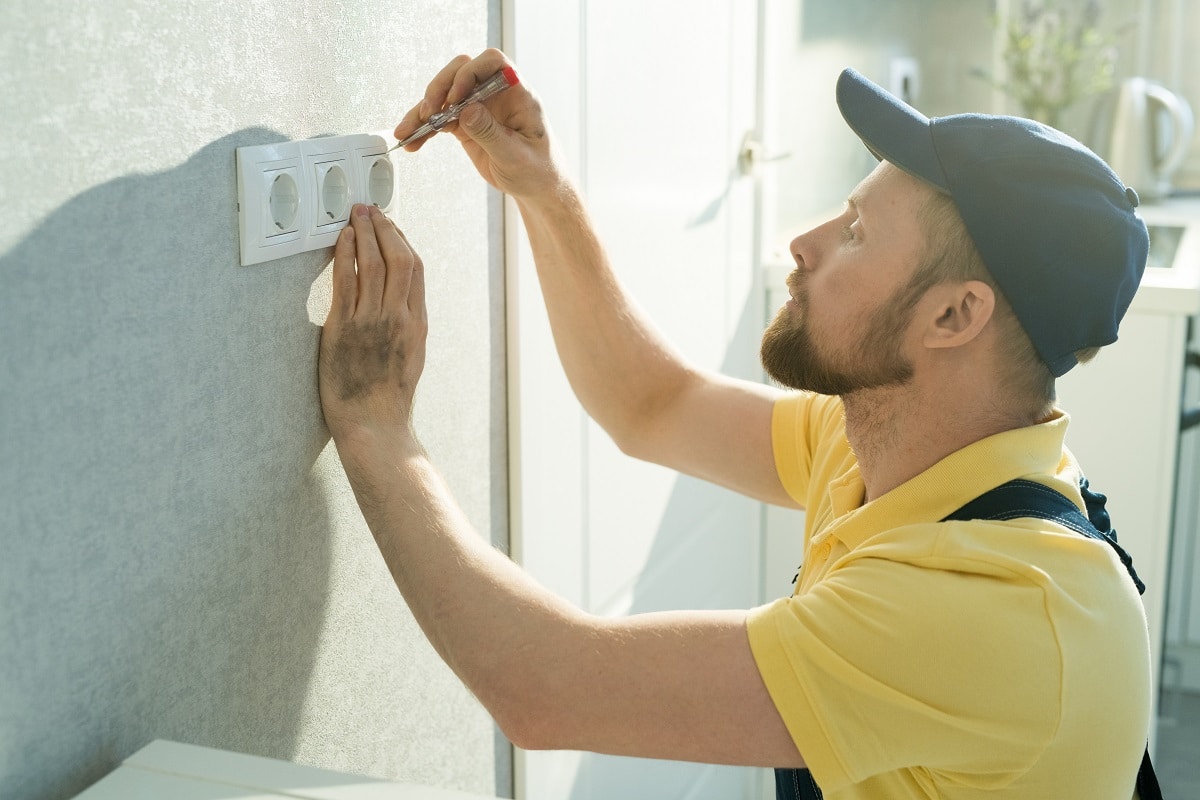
(651, 401)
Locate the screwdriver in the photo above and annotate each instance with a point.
(494, 85)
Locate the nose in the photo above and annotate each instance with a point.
(807, 248)
(800, 249)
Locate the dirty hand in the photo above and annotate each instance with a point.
(373, 341)
(506, 136)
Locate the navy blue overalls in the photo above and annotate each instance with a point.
(1014, 500)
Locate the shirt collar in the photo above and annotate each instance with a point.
(947, 485)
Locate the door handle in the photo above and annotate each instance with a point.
(751, 154)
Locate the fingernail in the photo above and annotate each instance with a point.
(362, 211)
(423, 110)
(348, 232)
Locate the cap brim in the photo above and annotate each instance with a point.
(890, 128)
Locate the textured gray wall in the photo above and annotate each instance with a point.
(182, 557)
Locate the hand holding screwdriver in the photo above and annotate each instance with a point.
(494, 85)
(507, 139)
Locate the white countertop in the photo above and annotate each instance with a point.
(1174, 290)
(177, 771)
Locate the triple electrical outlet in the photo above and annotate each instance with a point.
(296, 196)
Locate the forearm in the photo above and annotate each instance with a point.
(620, 367)
(679, 685)
(491, 623)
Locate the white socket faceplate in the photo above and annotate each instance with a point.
(296, 196)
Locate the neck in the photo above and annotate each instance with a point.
(898, 432)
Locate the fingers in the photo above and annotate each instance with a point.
(438, 90)
(454, 82)
(473, 73)
(345, 281)
(398, 257)
(390, 273)
(478, 123)
(372, 271)
(435, 98)
(416, 288)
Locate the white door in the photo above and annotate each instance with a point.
(650, 102)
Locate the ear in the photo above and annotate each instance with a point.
(958, 314)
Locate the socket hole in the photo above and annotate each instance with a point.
(381, 181)
(284, 201)
(335, 194)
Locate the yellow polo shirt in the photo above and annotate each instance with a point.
(919, 658)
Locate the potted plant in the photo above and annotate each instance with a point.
(1055, 53)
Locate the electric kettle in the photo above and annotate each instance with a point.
(1143, 131)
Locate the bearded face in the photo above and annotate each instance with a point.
(794, 356)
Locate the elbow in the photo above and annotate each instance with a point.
(532, 690)
(530, 726)
(640, 436)
(525, 701)
(627, 427)
(630, 443)
(520, 735)
(647, 431)
(536, 708)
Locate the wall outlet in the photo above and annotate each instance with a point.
(296, 196)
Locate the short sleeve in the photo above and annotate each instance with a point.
(886, 665)
(801, 424)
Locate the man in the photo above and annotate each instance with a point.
(918, 657)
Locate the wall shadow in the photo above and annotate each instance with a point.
(166, 535)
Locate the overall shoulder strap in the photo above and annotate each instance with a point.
(1021, 498)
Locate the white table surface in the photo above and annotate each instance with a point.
(164, 769)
